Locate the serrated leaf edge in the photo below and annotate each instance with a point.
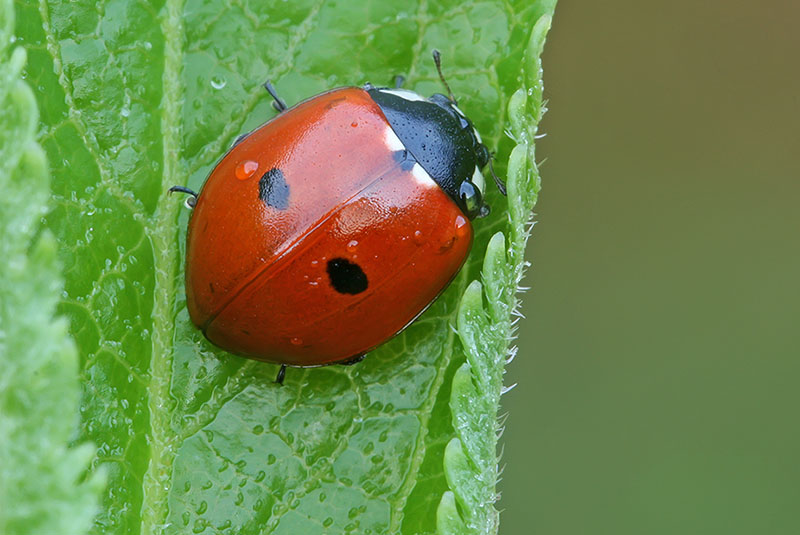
(44, 484)
(486, 331)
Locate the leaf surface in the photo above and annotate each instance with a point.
(43, 488)
(138, 96)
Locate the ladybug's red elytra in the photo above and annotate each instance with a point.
(329, 229)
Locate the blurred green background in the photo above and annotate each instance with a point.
(659, 363)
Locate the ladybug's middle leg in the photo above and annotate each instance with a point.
(278, 103)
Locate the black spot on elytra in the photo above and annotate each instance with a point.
(346, 277)
(273, 189)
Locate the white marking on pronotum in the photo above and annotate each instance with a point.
(461, 113)
(422, 176)
(477, 179)
(392, 141)
(404, 93)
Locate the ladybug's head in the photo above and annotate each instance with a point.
(439, 137)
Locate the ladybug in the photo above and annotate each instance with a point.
(329, 229)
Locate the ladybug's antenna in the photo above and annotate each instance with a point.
(437, 59)
(278, 102)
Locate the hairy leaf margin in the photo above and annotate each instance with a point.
(470, 459)
(43, 486)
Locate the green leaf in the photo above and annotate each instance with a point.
(43, 488)
(136, 97)
(470, 460)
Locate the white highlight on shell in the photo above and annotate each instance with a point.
(404, 93)
(393, 142)
(422, 177)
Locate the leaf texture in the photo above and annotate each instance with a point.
(138, 96)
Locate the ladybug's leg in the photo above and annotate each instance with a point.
(500, 184)
(189, 202)
(353, 360)
(281, 375)
(240, 139)
(399, 80)
(279, 104)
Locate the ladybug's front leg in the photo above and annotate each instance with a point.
(189, 202)
(279, 104)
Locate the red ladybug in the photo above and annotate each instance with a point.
(326, 231)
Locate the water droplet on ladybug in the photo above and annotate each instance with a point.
(296, 341)
(419, 239)
(462, 226)
(352, 245)
(447, 244)
(246, 169)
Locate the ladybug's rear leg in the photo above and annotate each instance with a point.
(278, 103)
(281, 375)
(399, 80)
(352, 360)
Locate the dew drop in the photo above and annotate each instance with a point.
(352, 245)
(271, 459)
(447, 244)
(327, 522)
(258, 429)
(202, 508)
(217, 82)
(246, 169)
(419, 239)
(296, 341)
(354, 124)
